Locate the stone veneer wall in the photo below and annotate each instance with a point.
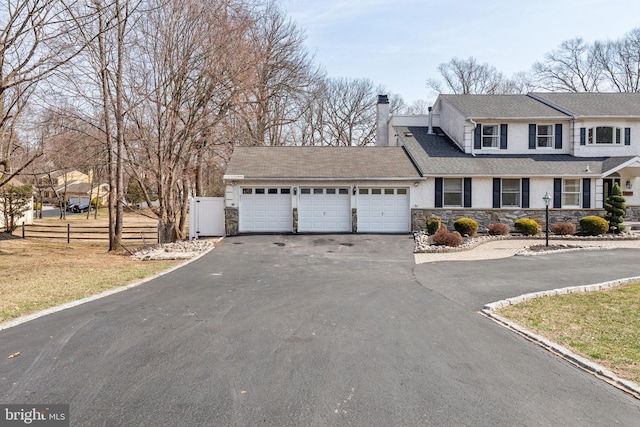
(295, 220)
(484, 217)
(354, 220)
(231, 219)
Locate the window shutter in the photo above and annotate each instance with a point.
(438, 201)
(627, 136)
(503, 136)
(477, 137)
(532, 137)
(557, 193)
(558, 136)
(496, 192)
(525, 193)
(583, 136)
(586, 193)
(467, 193)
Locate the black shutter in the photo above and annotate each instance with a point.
(557, 193)
(627, 136)
(586, 193)
(438, 201)
(503, 136)
(558, 136)
(525, 193)
(532, 136)
(496, 192)
(583, 136)
(467, 193)
(477, 137)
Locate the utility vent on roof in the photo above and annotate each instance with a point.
(408, 134)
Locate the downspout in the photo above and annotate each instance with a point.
(475, 125)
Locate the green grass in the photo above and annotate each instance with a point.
(603, 326)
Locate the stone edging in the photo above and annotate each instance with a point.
(580, 361)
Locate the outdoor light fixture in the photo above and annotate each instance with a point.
(547, 199)
(295, 191)
(355, 190)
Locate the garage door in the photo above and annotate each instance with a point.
(324, 210)
(265, 210)
(383, 210)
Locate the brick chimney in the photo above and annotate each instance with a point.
(382, 121)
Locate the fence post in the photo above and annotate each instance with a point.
(23, 230)
(68, 233)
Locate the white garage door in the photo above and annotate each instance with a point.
(265, 210)
(383, 210)
(324, 210)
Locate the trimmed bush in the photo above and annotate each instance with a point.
(498, 229)
(433, 224)
(593, 225)
(563, 228)
(616, 206)
(526, 226)
(466, 226)
(445, 237)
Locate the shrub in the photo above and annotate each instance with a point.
(563, 228)
(526, 226)
(593, 225)
(447, 238)
(433, 224)
(616, 206)
(498, 229)
(466, 226)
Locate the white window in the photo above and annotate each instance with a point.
(511, 193)
(544, 136)
(452, 192)
(490, 136)
(605, 135)
(571, 192)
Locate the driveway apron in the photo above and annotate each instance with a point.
(314, 330)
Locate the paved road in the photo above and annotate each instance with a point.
(315, 330)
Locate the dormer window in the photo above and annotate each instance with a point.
(605, 135)
(544, 136)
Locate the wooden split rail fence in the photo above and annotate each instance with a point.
(136, 234)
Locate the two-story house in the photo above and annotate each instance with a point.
(489, 157)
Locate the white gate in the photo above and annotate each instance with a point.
(206, 217)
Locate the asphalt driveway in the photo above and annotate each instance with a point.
(315, 330)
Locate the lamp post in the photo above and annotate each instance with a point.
(547, 199)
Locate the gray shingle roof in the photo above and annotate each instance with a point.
(437, 155)
(321, 162)
(502, 107)
(594, 104)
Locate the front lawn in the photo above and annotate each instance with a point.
(603, 326)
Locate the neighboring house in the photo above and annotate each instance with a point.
(82, 192)
(489, 157)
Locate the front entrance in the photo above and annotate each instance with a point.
(607, 186)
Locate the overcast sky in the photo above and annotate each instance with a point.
(399, 43)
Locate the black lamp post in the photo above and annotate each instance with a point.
(547, 199)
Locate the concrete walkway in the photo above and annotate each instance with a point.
(508, 248)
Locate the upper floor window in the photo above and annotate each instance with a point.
(605, 135)
(490, 136)
(544, 136)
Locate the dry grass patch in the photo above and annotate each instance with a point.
(602, 326)
(38, 274)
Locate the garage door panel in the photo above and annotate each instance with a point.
(262, 211)
(324, 210)
(383, 210)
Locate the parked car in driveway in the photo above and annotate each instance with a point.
(82, 207)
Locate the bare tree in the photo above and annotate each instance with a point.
(572, 67)
(619, 62)
(467, 76)
(36, 37)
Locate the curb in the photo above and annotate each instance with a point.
(599, 371)
(29, 317)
